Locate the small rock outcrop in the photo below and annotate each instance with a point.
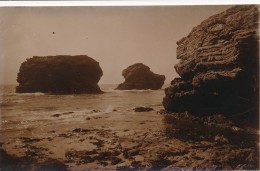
(218, 66)
(60, 74)
(139, 76)
(143, 109)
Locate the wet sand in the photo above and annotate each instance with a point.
(130, 140)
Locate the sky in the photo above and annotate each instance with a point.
(116, 37)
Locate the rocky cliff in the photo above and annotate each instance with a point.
(218, 66)
(59, 75)
(139, 76)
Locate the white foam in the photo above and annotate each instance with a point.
(10, 102)
(32, 94)
(130, 91)
(109, 109)
(17, 101)
(135, 90)
(23, 94)
(5, 121)
(158, 104)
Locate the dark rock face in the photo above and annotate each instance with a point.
(59, 75)
(218, 66)
(139, 76)
(11, 162)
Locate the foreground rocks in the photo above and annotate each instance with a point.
(139, 76)
(11, 162)
(214, 103)
(218, 66)
(127, 140)
(59, 75)
(218, 143)
(143, 109)
(141, 142)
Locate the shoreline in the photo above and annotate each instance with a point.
(130, 141)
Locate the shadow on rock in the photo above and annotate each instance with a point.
(235, 147)
(11, 162)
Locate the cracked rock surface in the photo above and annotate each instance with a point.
(218, 66)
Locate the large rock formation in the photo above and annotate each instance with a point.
(139, 76)
(59, 75)
(218, 66)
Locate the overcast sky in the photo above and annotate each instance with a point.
(114, 36)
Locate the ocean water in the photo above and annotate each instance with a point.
(75, 128)
(20, 112)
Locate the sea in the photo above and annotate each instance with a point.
(71, 127)
(21, 111)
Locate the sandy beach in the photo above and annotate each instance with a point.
(141, 140)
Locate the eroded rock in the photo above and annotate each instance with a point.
(139, 76)
(218, 66)
(143, 109)
(60, 74)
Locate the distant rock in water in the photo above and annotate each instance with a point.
(143, 109)
(60, 74)
(218, 66)
(139, 76)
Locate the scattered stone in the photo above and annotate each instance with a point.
(143, 109)
(65, 135)
(115, 160)
(29, 140)
(160, 163)
(80, 130)
(99, 143)
(51, 165)
(133, 152)
(49, 138)
(56, 115)
(59, 114)
(95, 111)
(97, 117)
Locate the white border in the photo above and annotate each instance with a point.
(127, 3)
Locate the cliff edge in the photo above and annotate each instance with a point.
(218, 66)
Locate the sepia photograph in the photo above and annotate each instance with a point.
(150, 87)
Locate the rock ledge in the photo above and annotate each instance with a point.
(218, 66)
